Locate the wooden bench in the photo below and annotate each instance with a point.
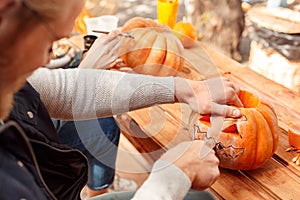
(156, 129)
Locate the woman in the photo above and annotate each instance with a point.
(34, 164)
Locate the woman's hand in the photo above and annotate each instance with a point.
(104, 52)
(212, 96)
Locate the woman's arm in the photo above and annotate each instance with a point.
(90, 93)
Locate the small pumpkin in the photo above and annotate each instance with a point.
(186, 33)
(155, 50)
(80, 25)
(248, 142)
(294, 135)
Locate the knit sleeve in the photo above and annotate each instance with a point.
(74, 94)
(166, 181)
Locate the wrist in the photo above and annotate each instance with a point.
(185, 89)
(166, 181)
(190, 173)
(181, 89)
(172, 178)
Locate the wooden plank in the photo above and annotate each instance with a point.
(278, 179)
(142, 142)
(179, 112)
(234, 185)
(163, 129)
(198, 64)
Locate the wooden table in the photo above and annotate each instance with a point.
(156, 129)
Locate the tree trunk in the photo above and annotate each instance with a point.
(219, 23)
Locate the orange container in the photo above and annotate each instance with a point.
(294, 135)
(167, 12)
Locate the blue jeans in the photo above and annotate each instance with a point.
(98, 139)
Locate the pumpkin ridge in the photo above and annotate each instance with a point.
(182, 60)
(158, 45)
(250, 103)
(172, 61)
(250, 150)
(138, 55)
(165, 56)
(147, 39)
(179, 56)
(156, 55)
(269, 117)
(129, 51)
(263, 152)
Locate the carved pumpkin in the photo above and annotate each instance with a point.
(155, 50)
(247, 142)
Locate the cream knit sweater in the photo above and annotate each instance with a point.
(74, 94)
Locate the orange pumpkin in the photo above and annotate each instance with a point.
(248, 142)
(294, 135)
(186, 33)
(80, 26)
(155, 50)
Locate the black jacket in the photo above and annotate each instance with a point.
(34, 165)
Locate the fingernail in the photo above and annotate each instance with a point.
(236, 113)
